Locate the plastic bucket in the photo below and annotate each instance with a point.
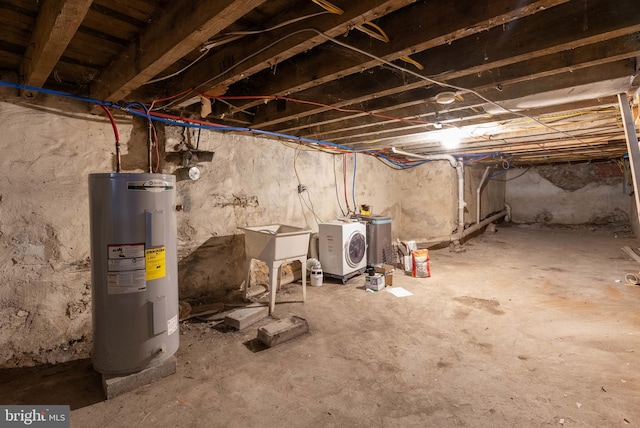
(316, 277)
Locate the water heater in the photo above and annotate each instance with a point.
(134, 270)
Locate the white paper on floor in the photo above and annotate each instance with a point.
(399, 292)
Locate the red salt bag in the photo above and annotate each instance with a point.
(421, 266)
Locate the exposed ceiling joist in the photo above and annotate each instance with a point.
(267, 50)
(472, 56)
(413, 29)
(544, 91)
(57, 23)
(179, 31)
(418, 104)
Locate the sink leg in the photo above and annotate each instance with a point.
(303, 261)
(273, 285)
(245, 291)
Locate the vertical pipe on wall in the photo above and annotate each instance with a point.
(632, 146)
(461, 203)
(478, 190)
(461, 232)
(150, 147)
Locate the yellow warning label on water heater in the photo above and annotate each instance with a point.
(155, 261)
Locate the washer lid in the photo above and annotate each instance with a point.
(356, 248)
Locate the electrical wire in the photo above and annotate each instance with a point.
(394, 164)
(295, 169)
(509, 179)
(412, 61)
(230, 37)
(344, 177)
(186, 67)
(318, 104)
(373, 30)
(329, 6)
(153, 134)
(403, 69)
(275, 27)
(242, 61)
(302, 189)
(170, 97)
(310, 208)
(442, 84)
(335, 180)
(275, 97)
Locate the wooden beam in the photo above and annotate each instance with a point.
(544, 33)
(496, 141)
(265, 51)
(597, 148)
(580, 78)
(348, 130)
(632, 146)
(412, 29)
(415, 104)
(56, 24)
(186, 27)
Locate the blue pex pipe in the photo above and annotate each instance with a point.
(177, 122)
(170, 121)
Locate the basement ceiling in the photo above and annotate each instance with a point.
(527, 81)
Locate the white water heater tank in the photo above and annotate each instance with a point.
(134, 270)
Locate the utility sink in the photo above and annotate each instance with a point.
(275, 242)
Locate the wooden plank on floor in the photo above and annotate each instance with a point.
(631, 253)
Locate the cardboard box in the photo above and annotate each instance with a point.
(374, 282)
(387, 272)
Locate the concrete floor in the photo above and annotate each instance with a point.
(528, 327)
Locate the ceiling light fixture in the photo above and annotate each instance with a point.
(450, 138)
(445, 98)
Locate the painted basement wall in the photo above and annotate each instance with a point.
(492, 195)
(50, 147)
(253, 181)
(568, 195)
(430, 208)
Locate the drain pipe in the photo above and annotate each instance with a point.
(483, 223)
(455, 163)
(461, 203)
(478, 190)
(461, 232)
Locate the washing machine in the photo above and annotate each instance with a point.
(343, 248)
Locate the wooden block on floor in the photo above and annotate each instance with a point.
(114, 385)
(244, 317)
(282, 330)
